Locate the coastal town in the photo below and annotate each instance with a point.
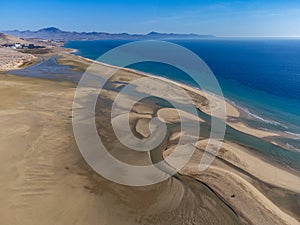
(15, 52)
(18, 45)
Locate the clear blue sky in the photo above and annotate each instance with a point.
(221, 18)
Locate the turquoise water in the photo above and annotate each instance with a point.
(261, 77)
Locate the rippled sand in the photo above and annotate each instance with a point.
(46, 181)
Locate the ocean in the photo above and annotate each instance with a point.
(259, 76)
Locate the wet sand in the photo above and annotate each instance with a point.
(245, 174)
(46, 180)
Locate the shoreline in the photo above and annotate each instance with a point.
(237, 156)
(231, 109)
(294, 187)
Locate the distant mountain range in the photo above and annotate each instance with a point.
(52, 33)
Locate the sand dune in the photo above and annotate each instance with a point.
(11, 59)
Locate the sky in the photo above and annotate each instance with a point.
(248, 18)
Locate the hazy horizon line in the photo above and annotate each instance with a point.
(137, 33)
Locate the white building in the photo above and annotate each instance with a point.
(18, 45)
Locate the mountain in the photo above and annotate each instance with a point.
(8, 39)
(53, 33)
(157, 35)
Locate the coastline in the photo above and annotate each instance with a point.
(238, 175)
(256, 172)
(231, 110)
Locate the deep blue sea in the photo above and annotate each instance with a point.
(260, 76)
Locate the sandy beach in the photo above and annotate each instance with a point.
(46, 181)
